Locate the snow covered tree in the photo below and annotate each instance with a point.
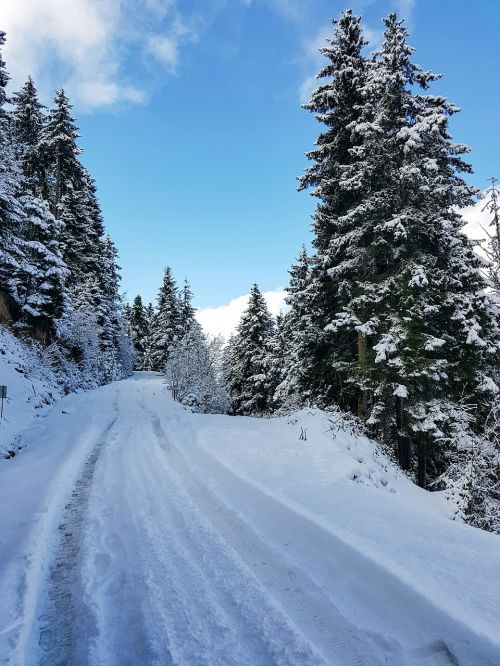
(297, 335)
(11, 209)
(192, 372)
(248, 364)
(186, 309)
(166, 326)
(338, 105)
(409, 294)
(38, 279)
(27, 123)
(138, 331)
(59, 154)
(493, 246)
(149, 319)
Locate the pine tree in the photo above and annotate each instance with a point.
(27, 124)
(248, 368)
(338, 105)
(59, 154)
(11, 209)
(493, 246)
(296, 337)
(39, 278)
(149, 318)
(192, 372)
(166, 328)
(409, 289)
(186, 309)
(138, 332)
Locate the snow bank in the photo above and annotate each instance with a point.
(392, 545)
(31, 385)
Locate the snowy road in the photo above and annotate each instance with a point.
(144, 547)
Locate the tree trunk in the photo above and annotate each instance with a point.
(404, 440)
(422, 460)
(363, 399)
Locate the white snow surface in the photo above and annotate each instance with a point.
(31, 388)
(135, 532)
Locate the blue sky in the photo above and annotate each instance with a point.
(191, 122)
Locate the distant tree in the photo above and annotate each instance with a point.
(138, 331)
(192, 372)
(167, 328)
(186, 309)
(248, 364)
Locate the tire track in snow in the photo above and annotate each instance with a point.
(247, 557)
(58, 640)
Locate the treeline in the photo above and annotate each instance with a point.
(167, 338)
(59, 281)
(392, 317)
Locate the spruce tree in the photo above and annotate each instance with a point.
(492, 206)
(338, 106)
(27, 124)
(167, 327)
(59, 154)
(410, 295)
(149, 320)
(186, 309)
(138, 332)
(296, 339)
(39, 278)
(11, 209)
(248, 368)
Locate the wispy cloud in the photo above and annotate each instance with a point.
(405, 8)
(165, 46)
(84, 44)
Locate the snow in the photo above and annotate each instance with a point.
(144, 534)
(31, 388)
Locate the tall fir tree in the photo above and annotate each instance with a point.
(39, 279)
(296, 336)
(149, 318)
(410, 295)
(186, 309)
(249, 364)
(27, 124)
(11, 209)
(338, 105)
(138, 332)
(167, 322)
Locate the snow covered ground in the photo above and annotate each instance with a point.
(134, 532)
(31, 388)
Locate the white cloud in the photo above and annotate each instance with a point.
(405, 8)
(165, 47)
(83, 45)
(222, 320)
